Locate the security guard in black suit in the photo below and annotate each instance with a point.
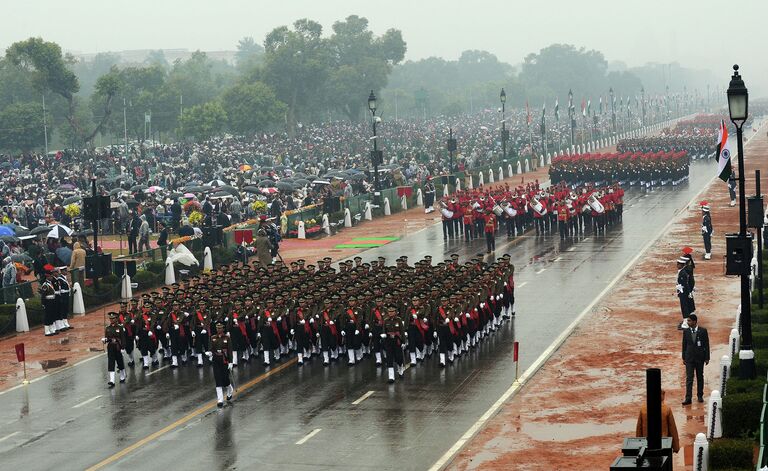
(695, 356)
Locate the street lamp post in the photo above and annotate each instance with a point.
(642, 97)
(570, 115)
(613, 110)
(376, 154)
(504, 135)
(738, 102)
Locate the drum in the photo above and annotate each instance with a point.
(595, 204)
(538, 207)
(511, 212)
(497, 210)
(446, 213)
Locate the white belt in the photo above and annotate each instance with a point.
(50, 297)
(64, 291)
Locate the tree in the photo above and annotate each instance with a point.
(21, 127)
(204, 121)
(252, 107)
(249, 54)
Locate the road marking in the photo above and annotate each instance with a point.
(54, 373)
(363, 397)
(195, 413)
(308, 436)
(9, 436)
(522, 284)
(557, 259)
(448, 456)
(571, 249)
(159, 369)
(540, 271)
(86, 402)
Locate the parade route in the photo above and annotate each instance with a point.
(305, 418)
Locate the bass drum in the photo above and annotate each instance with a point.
(497, 210)
(511, 212)
(446, 213)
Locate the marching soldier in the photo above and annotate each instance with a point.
(446, 331)
(392, 337)
(220, 356)
(126, 319)
(684, 291)
(706, 230)
(201, 324)
(490, 231)
(350, 325)
(429, 196)
(114, 339)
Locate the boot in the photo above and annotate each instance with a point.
(230, 391)
(122, 376)
(146, 362)
(413, 358)
(130, 359)
(326, 360)
(234, 359)
(266, 357)
(174, 362)
(390, 375)
(111, 382)
(442, 360)
(450, 356)
(300, 357)
(65, 322)
(47, 331)
(199, 359)
(277, 354)
(378, 358)
(358, 354)
(351, 356)
(219, 397)
(184, 358)
(400, 370)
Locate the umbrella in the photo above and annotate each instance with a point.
(251, 189)
(245, 168)
(153, 189)
(321, 182)
(357, 176)
(21, 258)
(230, 189)
(67, 186)
(131, 202)
(40, 230)
(6, 165)
(195, 189)
(83, 233)
(9, 238)
(284, 186)
(269, 190)
(220, 194)
(6, 231)
(115, 191)
(299, 175)
(71, 199)
(189, 195)
(302, 182)
(266, 184)
(215, 183)
(175, 194)
(58, 231)
(135, 188)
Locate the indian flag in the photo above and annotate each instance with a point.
(723, 155)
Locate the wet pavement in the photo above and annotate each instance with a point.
(167, 418)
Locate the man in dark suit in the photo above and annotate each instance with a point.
(695, 356)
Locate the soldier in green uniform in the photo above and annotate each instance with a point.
(114, 339)
(220, 356)
(394, 331)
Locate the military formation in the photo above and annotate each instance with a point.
(697, 146)
(397, 315)
(645, 169)
(54, 292)
(566, 209)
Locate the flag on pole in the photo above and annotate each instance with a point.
(723, 156)
(557, 111)
(600, 106)
(589, 107)
(543, 118)
(583, 107)
(528, 111)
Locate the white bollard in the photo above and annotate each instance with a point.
(509, 170)
(348, 216)
(78, 306)
(541, 160)
(471, 184)
(387, 209)
(733, 341)
(445, 191)
(481, 180)
(519, 168)
(527, 166)
(368, 213)
(126, 290)
(725, 372)
(301, 232)
(700, 453)
(490, 176)
(207, 260)
(327, 224)
(419, 197)
(22, 322)
(549, 159)
(458, 184)
(170, 275)
(404, 203)
(714, 416)
(501, 174)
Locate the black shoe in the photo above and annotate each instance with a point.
(145, 367)
(687, 402)
(220, 404)
(122, 380)
(229, 398)
(700, 399)
(390, 381)
(110, 385)
(131, 364)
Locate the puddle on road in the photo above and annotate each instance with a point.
(567, 432)
(54, 363)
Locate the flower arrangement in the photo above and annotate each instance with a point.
(191, 206)
(196, 218)
(259, 206)
(72, 210)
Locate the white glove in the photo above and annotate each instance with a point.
(367, 327)
(370, 335)
(311, 320)
(291, 331)
(186, 314)
(434, 334)
(383, 336)
(468, 316)
(704, 229)
(406, 335)
(150, 334)
(505, 283)
(343, 334)
(193, 333)
(234, 321)
(482, 305)
(159, 327)
(415, 316)
(302, 322)
(209, 355)
(279, 318)
(269, 319)
(167, 335)
(679, 288)
(455, 319)
(331, 322)
(226, 319)
(317, 335)
(203, 331)
(690, 295)
(230, 366)
(132, 322)
(357, 332)
(424, 320)
(176, 326)
(258, 336)
(103, 340)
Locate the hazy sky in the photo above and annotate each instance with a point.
(692, 32)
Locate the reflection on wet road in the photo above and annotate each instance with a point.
(338, 417)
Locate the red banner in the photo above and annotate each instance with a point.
(20, 352)
(245, 235)
(517, 348)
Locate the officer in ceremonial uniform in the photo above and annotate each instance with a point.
(684, 290)
(114, 339)
(220, 356)
(393, 343)
(50, 303)
(126, 319)
(64, 290)
(706, 230)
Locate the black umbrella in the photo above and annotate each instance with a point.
(5, 165)
(115, 191)
(284, 186)
(83, 233)
(131, 202)
(9, 239)
(71, 199)
(220, 194)
(176, 194)
(251, 189)
(266, 184)
(302, 182)
(357, 176)
(230, 189)
(196, 189)
(40, 230)
(139, 188)
(299, 175)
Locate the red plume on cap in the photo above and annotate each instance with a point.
(687, 250)
(703, 203)
(48, 268)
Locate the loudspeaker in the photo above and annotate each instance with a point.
(334, 204)
(738, 254)
(451, 145)
(377, 157)
(96, 207)
(212, 235)
(755, 211)
(98, 265)
(106, 264)
(119, 266)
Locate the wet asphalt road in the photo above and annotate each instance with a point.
(69, 420)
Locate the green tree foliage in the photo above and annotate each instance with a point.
(249, 54)
(21, 127)
(204, 121)
(251, 107)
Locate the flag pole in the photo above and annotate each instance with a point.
(26, 381)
